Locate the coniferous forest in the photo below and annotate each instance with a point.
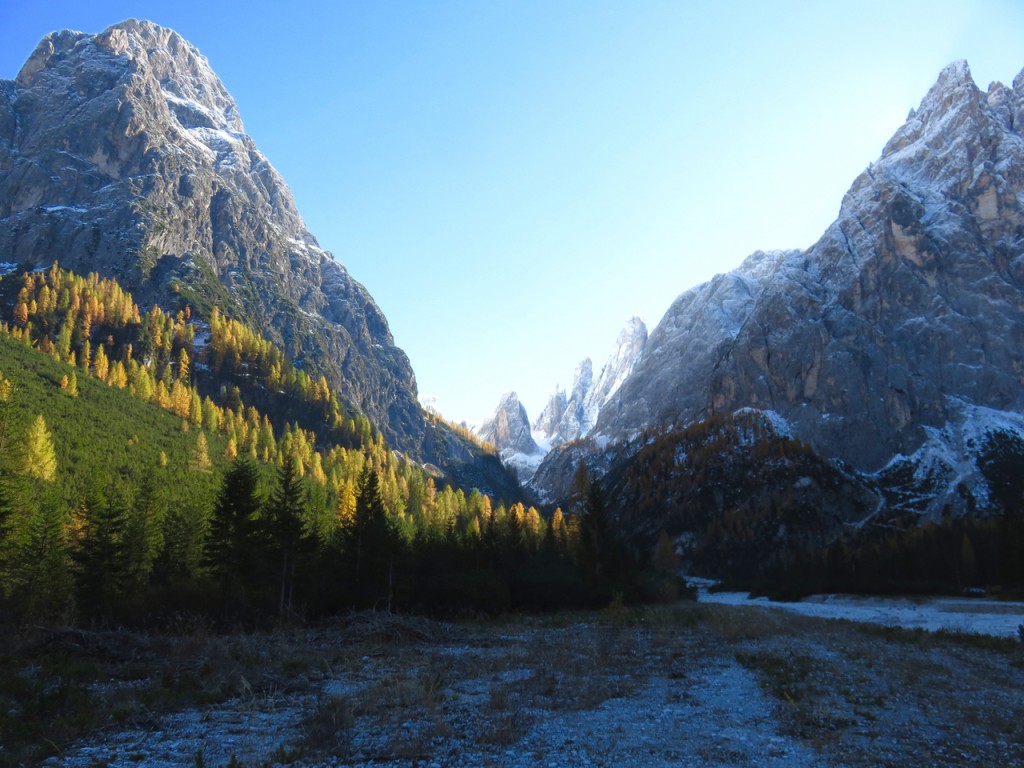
(152, 463)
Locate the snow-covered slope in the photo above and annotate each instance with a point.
(957, 467)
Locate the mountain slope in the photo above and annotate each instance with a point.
(850, 416)
(123, 153)
(911, 303)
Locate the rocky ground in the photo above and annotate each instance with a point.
(701, 685)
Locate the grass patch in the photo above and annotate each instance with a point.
(44, 704)
(943, 637)
(784, 677)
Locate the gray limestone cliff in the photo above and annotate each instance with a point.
(123, 153)
(509, 428)
(907, 314)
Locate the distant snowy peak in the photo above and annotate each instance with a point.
(628, 348)
(567, 416)
(570, 417)
(509, 428)
(509, 431)
(547, 423)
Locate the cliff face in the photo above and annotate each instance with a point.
(910, 306)
(509, 431)
(123, 153)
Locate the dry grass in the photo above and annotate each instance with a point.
(395, 690)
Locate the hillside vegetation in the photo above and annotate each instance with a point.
(152, 463)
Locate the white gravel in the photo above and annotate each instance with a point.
(956, 614)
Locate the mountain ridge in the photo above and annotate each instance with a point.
(914, 295)
(565, 417)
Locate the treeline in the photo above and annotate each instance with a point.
(234, 382)
(944, 557)
(220, 375)
(265, 546)
(763, 512)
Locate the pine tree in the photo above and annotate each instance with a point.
(143, 536)
(25, 501)
(21, 313)
(69, 383)
(201, 454)
(558, 531)
(101, 365)
(600, 553)
(184, 535)
(98, 555)
(346, 507)
(184, 366)
(45, 575)
(665, 557)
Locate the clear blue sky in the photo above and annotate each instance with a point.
(513, 180)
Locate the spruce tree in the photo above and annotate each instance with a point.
(98, 555)
(601, 555)
(233, 540)
(373, 542)
(45, 575)
(143, 535)
(285, 530)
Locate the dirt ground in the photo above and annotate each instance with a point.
(688, 685)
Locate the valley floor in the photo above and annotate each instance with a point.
(690, 685)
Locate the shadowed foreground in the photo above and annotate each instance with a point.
(690, 685)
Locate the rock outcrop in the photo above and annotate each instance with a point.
(509, 428)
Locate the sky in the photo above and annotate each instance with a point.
(513, 180)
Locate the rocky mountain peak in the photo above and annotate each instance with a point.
(910, 305)
(509, 431)
(151, 63)
(123, 153)
(547, 422)
(582, 378)
(628, 347)
(571, 417)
